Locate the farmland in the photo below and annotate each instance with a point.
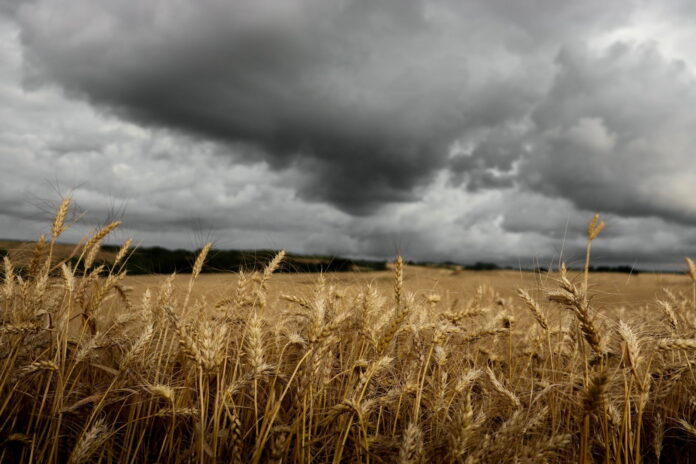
(407, 365)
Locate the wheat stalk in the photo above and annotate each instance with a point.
(398, 281)
(533, 306)
(89, 442)
(687, 427)
(58, 226)
(41, 365)
(9, 278)
(19, 328)
(500, 388)
(121, 254)
(594, 394)
(676, 344)
(630, 339)
(692, 274)
(411, 451)
(593, 229)
(692, 268)
(35, 263)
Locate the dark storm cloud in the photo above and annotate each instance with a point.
(367, 97)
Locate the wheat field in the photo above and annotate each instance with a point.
(415, 365)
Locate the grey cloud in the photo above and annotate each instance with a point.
(10, 7)
(491, 159)
(549, 217)
(612, 134)
(365, 96)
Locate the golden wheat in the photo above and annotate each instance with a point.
(95, 373)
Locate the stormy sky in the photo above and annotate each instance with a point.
(459, 130)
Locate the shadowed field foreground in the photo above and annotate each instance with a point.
(428, 367)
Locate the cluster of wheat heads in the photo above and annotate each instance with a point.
(335, 376)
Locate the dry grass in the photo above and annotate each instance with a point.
(418, 366)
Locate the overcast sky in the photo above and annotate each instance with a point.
(444, 129)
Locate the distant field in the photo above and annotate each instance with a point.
(610, 290)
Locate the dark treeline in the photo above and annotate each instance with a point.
(488, 266)
(618, 269)
(158, 260)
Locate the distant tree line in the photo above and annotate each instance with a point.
(483, 266)
(158, 260)
(488, 266)
(618, 269)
